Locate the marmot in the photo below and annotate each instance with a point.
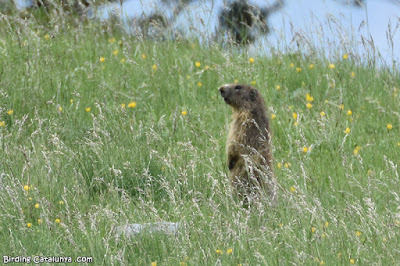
(249, 143)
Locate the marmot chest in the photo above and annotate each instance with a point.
(245, 131)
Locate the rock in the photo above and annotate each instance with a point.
(130, 230)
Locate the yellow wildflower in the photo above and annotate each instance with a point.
(277, 87)
(143, 56)
(197, 64)
(39, 221)
(305, 149)
(309, 105)
(154, 263)
(294, 115)
(102, 59)
(46, 37)
(389, 126)
(57, 221)
(37, 205)
(309, 98)
(253, 82)
(352, 261)
(111, 40)
(123, 106)
(291, 65)
(358, 233)
(298, 69)
(292, 189)
(229, 251)
(123, 60)
(279, 165)
(331, 66)
(347, 131)
(115, 52)
(287, 165)
(2, 123)
(311, 66)
(28, 225)
(132, 104)
(322, 113)
(273, 116)
(219, 252)
(60, 109)
(352, 74)
(88, 109)
(26, 188)
(345, 56)
(236, 81)
(326, 224)
(313, 229)
(199, 84)
(184, 113)
(349, 112)
(71, 101)
(10, 112)
(61, 202)
(154, 67)
(341, 106)
(251, 60)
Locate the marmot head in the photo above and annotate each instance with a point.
(241, 96)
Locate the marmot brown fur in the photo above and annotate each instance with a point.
(249, 143)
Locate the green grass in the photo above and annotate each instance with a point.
(112, 166)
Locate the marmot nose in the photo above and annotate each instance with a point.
(222, 90)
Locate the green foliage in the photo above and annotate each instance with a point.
(161, 156)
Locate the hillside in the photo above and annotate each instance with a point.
(99, 129)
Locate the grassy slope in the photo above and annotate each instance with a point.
(114, 165)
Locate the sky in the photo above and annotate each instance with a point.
(332, 27)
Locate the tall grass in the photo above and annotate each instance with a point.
(163, 158)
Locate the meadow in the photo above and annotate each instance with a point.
(99, 129)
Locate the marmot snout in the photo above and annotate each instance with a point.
(249, 142)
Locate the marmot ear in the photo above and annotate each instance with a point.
(253, 95)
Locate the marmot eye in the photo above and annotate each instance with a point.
(238, 87)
